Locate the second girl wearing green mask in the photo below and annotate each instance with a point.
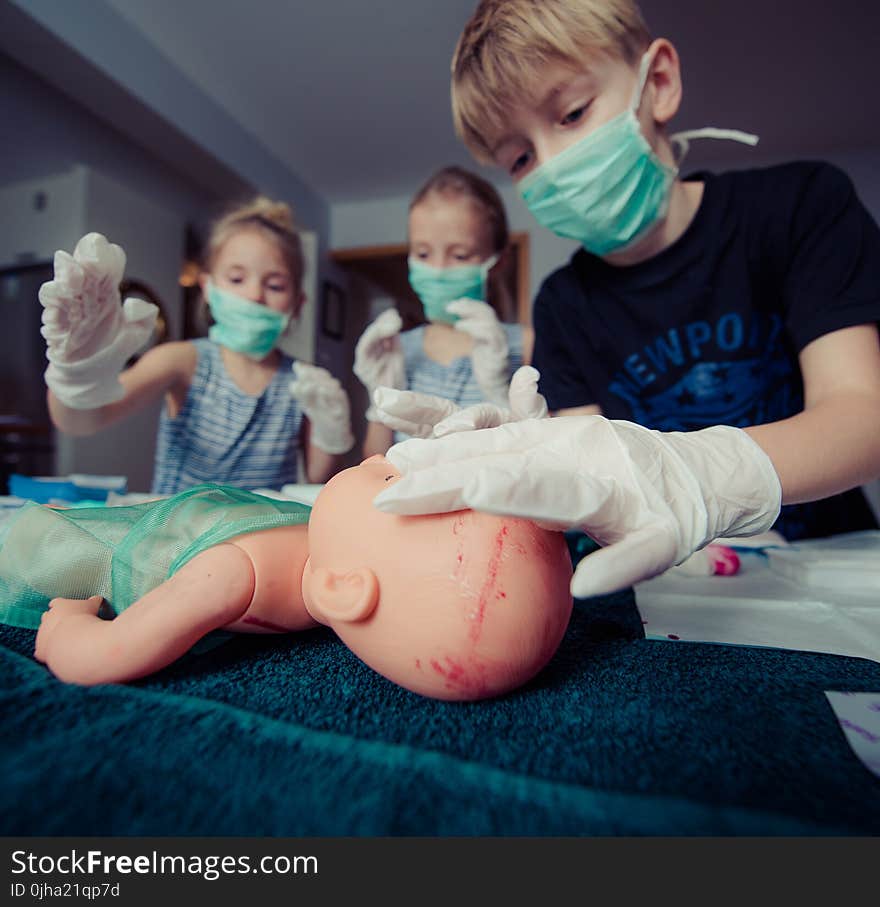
(458, 237)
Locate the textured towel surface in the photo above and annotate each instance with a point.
(291, 736)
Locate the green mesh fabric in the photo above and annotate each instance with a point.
(121, 553)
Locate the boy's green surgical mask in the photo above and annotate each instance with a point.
(437, 287)
(610, 188)
(242, 325)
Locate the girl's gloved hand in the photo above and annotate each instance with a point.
(378, 356)
(490, 355)
(324, 401)
(89, 334)
(649, 498)
(427, 416)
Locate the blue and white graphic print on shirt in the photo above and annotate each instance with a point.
(763, 387)
(225, 435)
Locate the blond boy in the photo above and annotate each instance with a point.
(734, 314)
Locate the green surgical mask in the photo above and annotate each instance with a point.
(610, 188)
(437, 287)
(242, 325)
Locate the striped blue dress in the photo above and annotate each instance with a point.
(456, 381)
(225, 435)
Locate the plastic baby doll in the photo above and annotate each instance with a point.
(458, 606)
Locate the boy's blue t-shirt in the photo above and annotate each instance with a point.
(708, 332)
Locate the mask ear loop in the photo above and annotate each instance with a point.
(681, 140)
(639, 90)
(485, 270)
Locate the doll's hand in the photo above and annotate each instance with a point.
(64, 640)
(427, 416)
(89, 334)
(324, 401)
(650, 498)
(378, 356)
(490, 355)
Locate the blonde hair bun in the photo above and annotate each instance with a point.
(273, 217)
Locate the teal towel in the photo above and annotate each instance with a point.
(293, 736)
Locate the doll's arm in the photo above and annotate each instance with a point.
(212, 590)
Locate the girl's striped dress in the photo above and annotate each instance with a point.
(456, 381)
(225, 435)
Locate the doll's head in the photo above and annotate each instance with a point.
(454, 606)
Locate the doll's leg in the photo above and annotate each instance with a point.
(211, 591)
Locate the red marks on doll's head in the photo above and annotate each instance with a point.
(470, 684)
(490, 583)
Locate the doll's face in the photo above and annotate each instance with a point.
(455, 606)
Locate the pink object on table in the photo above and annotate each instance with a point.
(724, 561)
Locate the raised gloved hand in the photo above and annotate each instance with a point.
(650, 498)
(427, 416)
(490, 355)
(89, 334)
(378, 356)
(324, 401)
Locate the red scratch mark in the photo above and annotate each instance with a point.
(265, 624)
(490, 583)
(419, 663)
(457, 526)
(456, 677)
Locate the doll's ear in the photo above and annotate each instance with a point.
(332, 596)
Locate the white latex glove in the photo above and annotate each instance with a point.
(378, 356)
(89, 335)
(650, 498)
(324, 400)
(491, 353)
(427, 416)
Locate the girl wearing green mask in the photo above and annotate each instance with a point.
(232, 413)
(465, 353)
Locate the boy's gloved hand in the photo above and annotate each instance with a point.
(491, 353)
(324, 401)
(650, 498)
(378, 357)
(427, 416)
(89, 334)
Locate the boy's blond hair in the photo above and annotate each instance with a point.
(506, 43)
(271, 218)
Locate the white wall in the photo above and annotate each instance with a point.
(52, 133)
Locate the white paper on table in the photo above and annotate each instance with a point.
(817, 596)
(301, 493)
(859, 717)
